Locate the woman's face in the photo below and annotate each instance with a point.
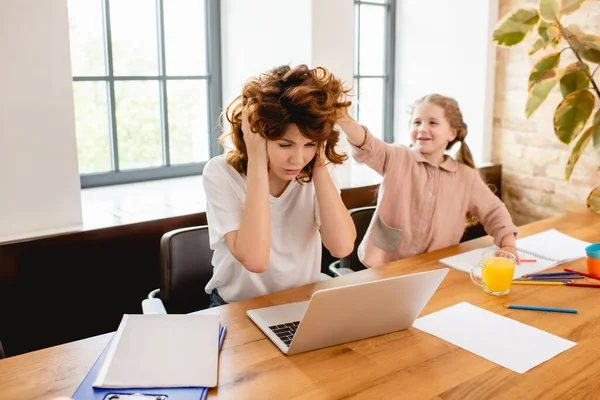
(289, 154)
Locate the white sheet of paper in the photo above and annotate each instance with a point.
(502, 340)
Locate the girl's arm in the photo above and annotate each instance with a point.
(337, 228)
(356, 133)
(508, 244)
(494, 216)
(251, 244)
(366, 148)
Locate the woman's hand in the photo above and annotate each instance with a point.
(256, 144)
(320, 160)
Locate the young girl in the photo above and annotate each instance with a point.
(425, 194)
(272, 201)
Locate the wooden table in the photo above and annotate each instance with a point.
(406, 364)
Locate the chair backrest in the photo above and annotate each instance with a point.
(362, 218)
(185, 269)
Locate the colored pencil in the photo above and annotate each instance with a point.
(551, 278)
(583, 273)
(583, 285)
(548, 274)
(544, 280)
(551, 309)
(528, 260)
(538, 283)
(555, 284)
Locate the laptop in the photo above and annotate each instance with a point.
(343, 314)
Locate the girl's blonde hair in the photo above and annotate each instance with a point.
(455, 119)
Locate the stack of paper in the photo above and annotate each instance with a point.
(175, 355)
(162, 351)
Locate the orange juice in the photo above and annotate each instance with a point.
(498, 274)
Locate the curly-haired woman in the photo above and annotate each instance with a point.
(272, 200)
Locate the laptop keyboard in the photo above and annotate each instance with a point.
(285, 331)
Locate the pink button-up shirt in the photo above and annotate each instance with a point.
(422, 207)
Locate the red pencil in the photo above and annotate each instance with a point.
(528, 260)
(583, 273)
(582, 285)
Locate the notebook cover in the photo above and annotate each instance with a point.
(86, 391)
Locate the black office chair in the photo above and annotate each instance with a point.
(185, 269)
(362, 218)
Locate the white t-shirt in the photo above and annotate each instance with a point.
(295, 257)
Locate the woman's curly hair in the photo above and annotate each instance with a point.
(310, 98)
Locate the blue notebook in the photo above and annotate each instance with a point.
(86, 391)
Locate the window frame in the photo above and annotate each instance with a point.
(214, 100)
(389, 65)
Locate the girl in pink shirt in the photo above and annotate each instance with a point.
(426, 196)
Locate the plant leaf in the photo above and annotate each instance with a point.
(578, 149)
(597, 133)
(548, 10)
(554, 35)
(543, 69)
(550, 36)
(574, 78)
(572, 113)
(593, 200)
(543, 28)
(515, 26)
(566, 7)
(539, 44)
(591, 47)
(574, 30)
(537, 94)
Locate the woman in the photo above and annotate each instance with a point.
(272, 201)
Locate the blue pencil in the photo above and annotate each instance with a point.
(551, 278)
(533, 308)
(549, 274)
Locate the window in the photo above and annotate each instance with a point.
(146, 86)
(374, 65)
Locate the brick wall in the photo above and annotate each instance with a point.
(533, 160)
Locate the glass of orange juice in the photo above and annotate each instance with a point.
(496, 272)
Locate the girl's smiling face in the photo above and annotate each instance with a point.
(430, 131)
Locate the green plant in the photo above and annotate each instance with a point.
(576, 80)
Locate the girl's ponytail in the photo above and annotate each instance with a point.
(464, 155)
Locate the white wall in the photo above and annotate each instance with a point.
(445, 47)
(333, 37)
(257, 35)
(39, 177)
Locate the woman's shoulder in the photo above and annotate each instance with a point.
(215, 163)
(218, 165)
(218, 169)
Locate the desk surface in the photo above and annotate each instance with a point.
(409, 363)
